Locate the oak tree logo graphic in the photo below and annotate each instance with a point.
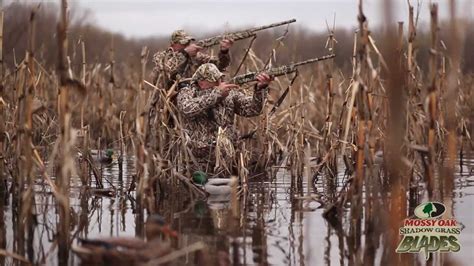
(430, 210)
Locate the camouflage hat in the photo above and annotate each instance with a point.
(207, 72)
(181, 37)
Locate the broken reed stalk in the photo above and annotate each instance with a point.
(432, 100)
(300, 148)
(142, 167)
(65, 136)
(305, 154)
(264, 142)
(332, 162)
(3, 119)
(122, 138)
(349, 103)
(296, 144)
(4, 253)
(3, 184)
(395, 129)
(452, 92)
(414, 98)
(18, 97)
(360, 101)
(83, 80)
(307, 167)
(27, 143)
(402, 94)
(358, 97)
(24, 198)
(84, 131)
(1, 46)
(112, 62)
(411, 39)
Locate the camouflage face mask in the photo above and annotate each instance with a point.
(208, 72)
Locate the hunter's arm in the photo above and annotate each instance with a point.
(222, 61)
(249, 106)
(190, 105)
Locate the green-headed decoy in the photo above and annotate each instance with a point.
(214, 186)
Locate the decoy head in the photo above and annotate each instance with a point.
(200, 178)
(109, 153)
(93, 243)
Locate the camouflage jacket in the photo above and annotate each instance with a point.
(204, 111)
(170, 65)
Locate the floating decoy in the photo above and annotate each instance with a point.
(106, 158)
(214, 186)
(127, 250)
(102, 157)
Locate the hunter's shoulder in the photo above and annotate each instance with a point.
(161, 54)
(169, 52)
(188, 90)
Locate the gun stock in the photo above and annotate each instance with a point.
(277, 71)
(239, 35)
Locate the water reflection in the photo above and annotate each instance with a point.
(269, 225)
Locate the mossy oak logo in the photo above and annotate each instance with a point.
(429, 210)
(429, 233)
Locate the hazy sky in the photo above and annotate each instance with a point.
(141, 18)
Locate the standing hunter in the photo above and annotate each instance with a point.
(208, 107)
(180, 60)
(183, 57)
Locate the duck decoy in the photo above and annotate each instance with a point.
(102, 157)
(106, 158)
(127, 250)
(214, 186)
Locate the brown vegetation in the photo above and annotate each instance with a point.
(404, 94)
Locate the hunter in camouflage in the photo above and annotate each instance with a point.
(208, 107)
(183, 57)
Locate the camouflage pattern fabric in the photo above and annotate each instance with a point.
(168, 64)
(171, 65)
(205, 111)
(181, 37)
(207, 72)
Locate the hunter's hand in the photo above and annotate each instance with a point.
(263, 80)
(225, 88)
(226, 44)
(192, 49)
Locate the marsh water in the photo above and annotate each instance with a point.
(275, 227)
